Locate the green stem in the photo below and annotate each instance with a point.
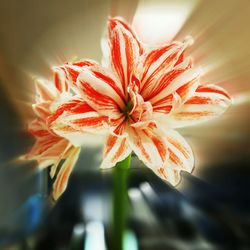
(120, 202)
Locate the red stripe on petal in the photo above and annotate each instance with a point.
(109, 144)
(117, 58)
(61, 79)
(64, 107)
(116, 149)
(163, 109)
(119, 129)
(73, 73)
(162, 173)
(110, 82)
(180, 59)
(81, 107)
(98, 100)
(129, 56)
(212, 90)
(39, 133)
(57, 81)
(161, 148)
(174, 158)
(187, 89)
(152, 57)
(192, 115)
(84, 63)
(113, 22)
(162, 84)
(89, 122)
(163, 101)
(120, 150)
(140, 146)
(202, 100)
(179, 146)
(125, 51)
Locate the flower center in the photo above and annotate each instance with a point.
(127, 109)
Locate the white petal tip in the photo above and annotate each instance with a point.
(188, 41)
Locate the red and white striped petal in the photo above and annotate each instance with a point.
(116, 149)
(158, 61)
(113, 22)
(45, 91)
(62, 178)
(61, 155)
(101, 91)
(180, 153)
(209, 101)
(74, 69)
(56, 149)
(149, 145)
(43, 149)
(38, 128)
(118, 126)
(61, 79)
(124, 50)
(184, 85)
(74, 106)
(180, 157)
(48, 147)
(73, 119)
(160, 84)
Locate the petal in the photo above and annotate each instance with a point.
(61, 155)
(101, 91)
(74, 69)
(38, 128)
(209, 101)
(48, 147)
(184, 84)
(149, 145)
(180, 153)
(116, 150)
(124, 50)
(61, 80)
(118, 126)
(65, 76)
(113, 22)
(43, 148)
(75, 118)
(180, 157)
(76, 105)
(42, 110)
(54, 154)
(45, 90)
(159, 85)
(182, 88)
(159, 60)
(62, 178)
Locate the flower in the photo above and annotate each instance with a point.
(139, 99)
(49, 148)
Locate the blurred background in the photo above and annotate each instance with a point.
(210, 209)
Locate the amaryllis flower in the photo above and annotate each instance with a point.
(49, 148)
(140, 98)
